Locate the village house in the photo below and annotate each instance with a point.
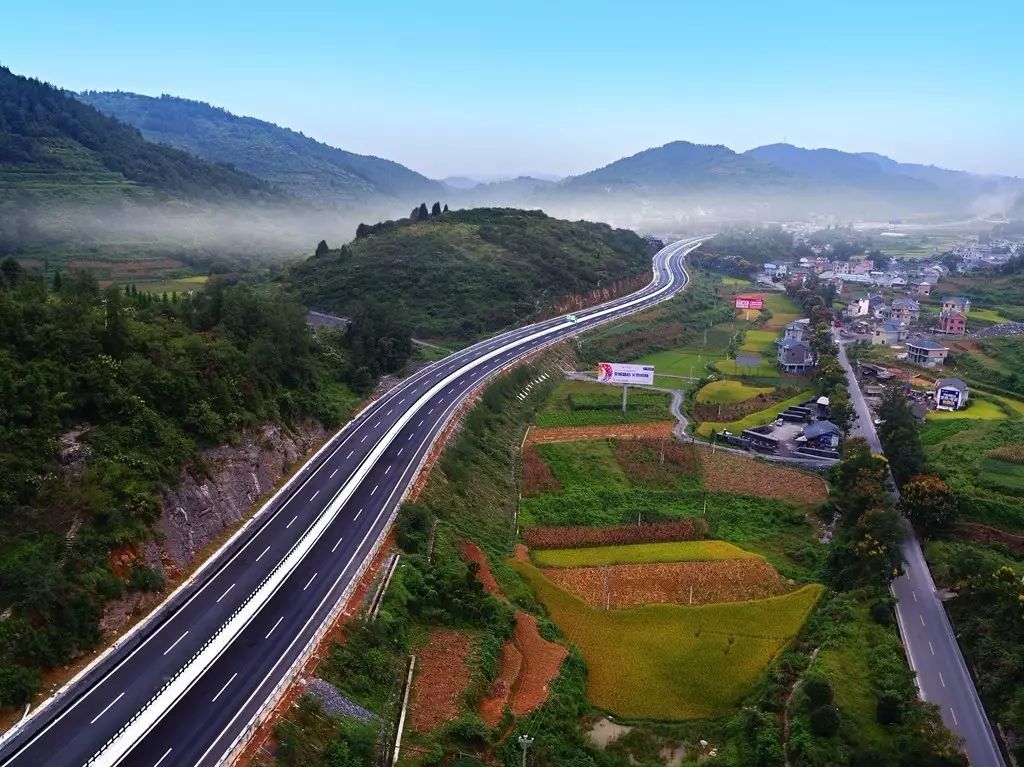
(821, 434)
(863, 267)
(905, 310)
(952, 322)
(795, 356)
(775, 270)
(840, 267)
(876, 305)
(951, 394)
(926, 352)
(858, 307)
(922, 288)
(797, 330)
(889, 333)
(960, 304)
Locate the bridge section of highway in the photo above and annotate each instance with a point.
(184, 687)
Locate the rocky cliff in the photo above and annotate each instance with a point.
(233, 478)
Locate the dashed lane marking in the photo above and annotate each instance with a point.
(262, 553)
(226, 592)
(222, 689)
(337, 544)
(274, 627)
(310, 581)
(175, 642)
(290, 523)
(106, 708)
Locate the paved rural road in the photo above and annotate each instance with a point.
(183, 689)
(932, 649)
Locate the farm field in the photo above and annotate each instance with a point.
(988, 315)
(762, 341)
(754, 419)
(765, 368)
(682, 362)
(729, 392)
(675, 551)
(672, 662)
(980, 409)
(731, 473)
(580, 403)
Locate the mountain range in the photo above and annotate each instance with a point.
(295, 163)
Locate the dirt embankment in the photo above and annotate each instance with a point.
(442, 674)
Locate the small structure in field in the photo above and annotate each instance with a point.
(951, 394)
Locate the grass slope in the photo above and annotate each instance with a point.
(670, 662)
(754, 419)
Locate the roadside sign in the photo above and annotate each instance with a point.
(619, 373)
(749, 302)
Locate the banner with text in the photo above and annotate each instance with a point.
(749, 302)
(618, 373)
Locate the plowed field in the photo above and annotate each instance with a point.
(729, 473)
(621, 431)
(442, 674)
(673, 583)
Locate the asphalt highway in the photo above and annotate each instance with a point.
(188, 683)
(932, 649)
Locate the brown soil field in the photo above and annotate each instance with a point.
(658, 430)
(553, 537)
(493, 706)
(641, 460)
(731, 473)
(442, 674)
(537, 476)
(631, 585)
(475, 554)
(541, 661)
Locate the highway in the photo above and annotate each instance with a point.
(183, 688)
(931, 646)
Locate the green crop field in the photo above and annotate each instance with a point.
(676, 551)
(579, 403)
(988, 315)
(980, 409)
(682, 362)
(728, 392)
(762, 341)
(765, 368)
(754, 419)
(671, 662)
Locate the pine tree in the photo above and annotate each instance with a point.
(423, 213)
(436, 210)
(322, 248)
(445, 208)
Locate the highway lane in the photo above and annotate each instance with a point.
(932, 649)
(254, 658)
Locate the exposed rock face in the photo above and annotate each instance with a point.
(236, 476)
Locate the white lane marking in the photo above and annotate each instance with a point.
(389, 411)
(922, 618)
(419, 424)
(430, 411)
(350, 452)
(376, 424)
(374, 489)
(274, 627)
(941, 679)
(411, 436)
(387, 469)
(226, 592)
(290, 523)
(401, 401)
(334, 472)
(951, 711)
(364, 438)
(176, 642)
(262, 553)
(166, 754)
(314, 495)
(930, 647)
(310, 581)
(105, 708)
(357, 514)
(914, 595)
(222, 689)
(400, 451)
(337, 544)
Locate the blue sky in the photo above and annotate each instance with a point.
(485, 88)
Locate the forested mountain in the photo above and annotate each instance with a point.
(53, 146)
(296, 163)
(462, 273)
(106, 395)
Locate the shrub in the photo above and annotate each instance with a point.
(881, 613)
(17, 685)
(869, 758)
(889, 710)
(146, 578)
(818, 691)
(414, 523)
(825, 721)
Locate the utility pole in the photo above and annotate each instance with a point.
(625, 391)
(524, 743)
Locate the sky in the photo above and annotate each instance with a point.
(490, 89)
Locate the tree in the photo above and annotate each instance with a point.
(445, 208)
(889, 709)
(435, 211)
(115, 332)
(899, 433)
(57, 281)
(10, 272)
(818, 691)
(929, 503)
(321, 247)
(17, 685)
(363, 230)
(422, 213)
(824, 721)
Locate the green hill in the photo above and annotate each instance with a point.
(467, 272)
(54, 147)
(296, 163)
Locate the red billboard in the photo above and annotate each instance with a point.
(749, 302)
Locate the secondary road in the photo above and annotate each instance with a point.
(183, 689)
(932, 649)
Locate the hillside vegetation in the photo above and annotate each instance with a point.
(463, 273)
(300, 165)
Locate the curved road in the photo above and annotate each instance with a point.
(932, 649)
(183, 688)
